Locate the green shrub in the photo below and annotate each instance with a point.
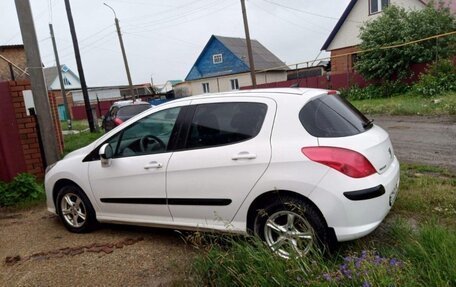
(386, 89)
(439, 78)
(23, 188)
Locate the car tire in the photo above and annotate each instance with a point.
(291, 227)
(75, 210)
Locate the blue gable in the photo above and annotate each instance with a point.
(205, 68)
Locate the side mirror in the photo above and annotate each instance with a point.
(106, 154)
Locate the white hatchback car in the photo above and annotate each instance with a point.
(293, 166)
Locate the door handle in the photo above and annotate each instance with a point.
(153, 164)
(244, 155)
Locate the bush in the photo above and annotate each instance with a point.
(374, 91)
(440, 78)
(23, 188)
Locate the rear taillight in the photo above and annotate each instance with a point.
(117, 121)
(346, 161)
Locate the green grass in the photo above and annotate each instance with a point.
(415, 246)
(409, 104)
(75, 141)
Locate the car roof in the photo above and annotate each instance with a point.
(275, 93)
(129, 103)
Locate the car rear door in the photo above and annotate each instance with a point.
(226, 151)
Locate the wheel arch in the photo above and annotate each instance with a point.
(275, 195)
(61, 183)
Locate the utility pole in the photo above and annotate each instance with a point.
(77, 55)
(127, 69)
(39, 90)
(62, 86)
(249, 44)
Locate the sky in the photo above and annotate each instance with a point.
(164, 38)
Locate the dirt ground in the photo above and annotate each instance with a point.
(36, 250)
(422, 140)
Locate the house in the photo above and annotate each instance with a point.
(13, 63)
(344, 38)
(223, 65)
(316, 70)
(166, 87)
(70, 80)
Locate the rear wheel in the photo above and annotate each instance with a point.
(291, 227)
(75, 210)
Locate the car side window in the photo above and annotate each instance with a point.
(113, 112)
(148, 135)
(225, 123)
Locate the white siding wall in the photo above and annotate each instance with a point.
(223, 84)
(75, 84)
(349, 32)
(102, 95)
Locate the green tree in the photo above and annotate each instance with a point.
(397, 26)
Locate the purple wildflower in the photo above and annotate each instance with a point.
(358, 263)
(366, 284)
(327, 277)
(394, 262)
(377, 260)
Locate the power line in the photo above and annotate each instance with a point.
(186, 21)
(286, 20)
(175, 16)
(307, 12)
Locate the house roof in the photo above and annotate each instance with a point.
(51, 73)
(450, 3)
(263, 58)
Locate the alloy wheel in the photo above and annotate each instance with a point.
(288, 234)
(73, 210)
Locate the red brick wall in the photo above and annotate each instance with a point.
(26, 127)
(341, 63)
(16, 54)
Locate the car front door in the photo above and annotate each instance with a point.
(132, 187)
(225, 153)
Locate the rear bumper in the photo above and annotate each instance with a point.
(356, 208)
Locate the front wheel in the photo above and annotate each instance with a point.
(75, 210)
(291, 227)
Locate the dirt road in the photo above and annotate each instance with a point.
(423, 140)
(36, 250)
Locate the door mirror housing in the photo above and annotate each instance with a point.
(106, 155)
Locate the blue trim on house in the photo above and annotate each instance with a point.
(205, 68)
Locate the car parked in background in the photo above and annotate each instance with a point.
(297, 167)
(121, 111)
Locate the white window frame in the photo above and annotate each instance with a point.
(206, 88)
(379, 6)
(234, 84)
(217, 58)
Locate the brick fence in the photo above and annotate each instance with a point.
(19, 141)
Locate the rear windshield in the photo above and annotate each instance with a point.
(127, 112)
(332, 116)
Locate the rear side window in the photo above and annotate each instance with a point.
(225, 123)
(130, 111)
(332, 116)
